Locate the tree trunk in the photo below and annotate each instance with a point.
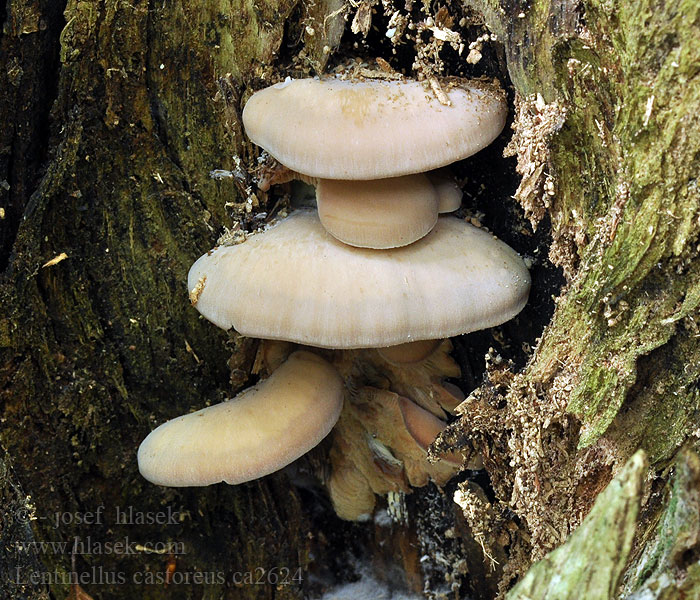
(114, 116)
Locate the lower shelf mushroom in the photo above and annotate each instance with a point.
(260, 431)
(391, 414)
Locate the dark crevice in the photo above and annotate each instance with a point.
(28, 91)
(3, 18)
(292, 37)
(401, 56)
(158, 109)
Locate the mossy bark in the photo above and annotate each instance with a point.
(625, 208)
(102, 344)
(115, 113)
(608, 144)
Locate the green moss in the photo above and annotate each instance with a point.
(628, 263)
(622, 348)
(625, 166)
(104, 345)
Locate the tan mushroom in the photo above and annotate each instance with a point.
(409, 353)
(296, 282)
(353, 498)
(261, 430)
(423, 426)
(411, 279)
(449, 193)
(382, 416)
(345, 129)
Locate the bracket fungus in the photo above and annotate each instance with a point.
(370, 132)
(375, 272)
(261, 430)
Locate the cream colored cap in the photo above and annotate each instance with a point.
(342, 129)
(296, 282)
(449, 193)
(381, 213)
(260, 431)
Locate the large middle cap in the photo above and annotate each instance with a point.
(296, 282)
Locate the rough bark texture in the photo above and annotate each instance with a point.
(611, 522)
(102, 345)
(113, 116)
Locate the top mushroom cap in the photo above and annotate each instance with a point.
(339, 129)
(296, 282)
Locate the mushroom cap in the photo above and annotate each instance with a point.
(296, 282)
(341, 129)
(409, 353)
(260, 431)
(424, 426)
(380, 213)
(449, 193)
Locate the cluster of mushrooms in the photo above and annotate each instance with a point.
(371, 283)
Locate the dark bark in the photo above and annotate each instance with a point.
(102, 345)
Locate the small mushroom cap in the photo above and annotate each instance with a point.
(338, 129)
(382, 213)
(260, 431)
(449, 193)
(424, 426)
(296, 282)
(409, 353)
